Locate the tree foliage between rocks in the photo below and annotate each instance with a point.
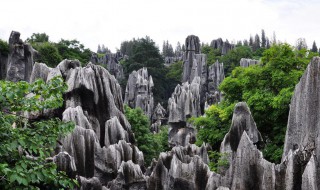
(26, 144)
(144, 53)
(52, 53)
(267, 88)
(150, 144)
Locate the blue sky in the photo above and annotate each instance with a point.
(111, 22)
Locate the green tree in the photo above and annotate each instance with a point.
(256, 43)
(146, 54)
(151, 145)
(73, 49)
(267, 89)
(314, 47)
(233, 57)
(38, 38)
(26, 144)
(4, 48)
(49, 54)
(212, 54)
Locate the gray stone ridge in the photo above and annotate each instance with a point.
(111, 61)
(19, 63)
(248, 62)
(139, 91)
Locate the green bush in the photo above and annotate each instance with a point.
(48, 54)
(150, 144)
(26, 143)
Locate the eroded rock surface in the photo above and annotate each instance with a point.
(215, 78)
(180, 168)
(20, 59)
(158, 118)
(102, 137)
(183, 104)
(139, 91)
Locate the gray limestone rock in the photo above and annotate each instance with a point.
(183, 104)
(114, 132)
(158, 117)
(90, 183)
(180, 168)
(303, 122)
(129, 177)
(65, 163)
(139, 91)
(20, 59)
(219, 44)
(108, 159)
(248, 62)
(111, 62)
(99, 95)
(215, 78)
(195, 65)
(191, 64)
(242, 120)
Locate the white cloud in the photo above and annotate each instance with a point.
(111, 22)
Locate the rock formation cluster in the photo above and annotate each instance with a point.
(101, 154)
(139, 91)
(248, 62)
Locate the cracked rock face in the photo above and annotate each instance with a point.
(20, 59)
(139, 91)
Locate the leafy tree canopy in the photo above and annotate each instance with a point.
(38, 38)
(27, 144)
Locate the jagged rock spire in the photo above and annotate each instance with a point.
(139, 91)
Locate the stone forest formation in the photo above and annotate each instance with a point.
(101, 151)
